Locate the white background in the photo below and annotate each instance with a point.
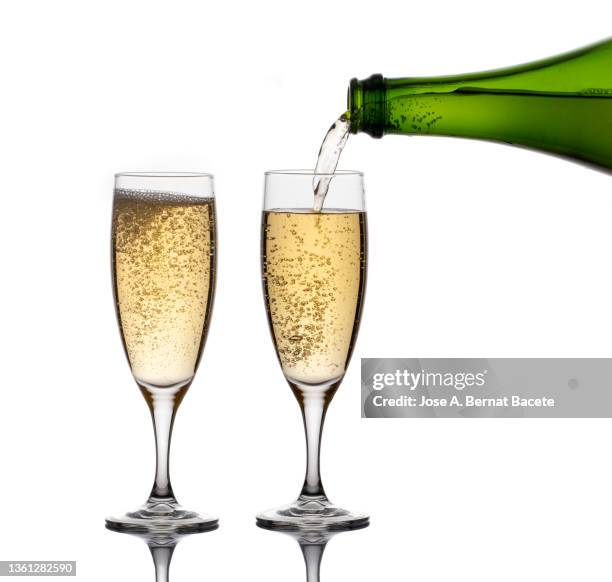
(476, 250)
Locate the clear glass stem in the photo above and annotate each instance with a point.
(163, 403)
(313, 412)
(314, 403)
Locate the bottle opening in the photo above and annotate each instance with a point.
(366, 105)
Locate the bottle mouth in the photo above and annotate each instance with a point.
(353, 99)
(366, 105)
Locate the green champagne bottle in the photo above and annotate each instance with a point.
(561, 105)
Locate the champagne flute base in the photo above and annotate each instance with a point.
(310, 514)
(162, 517)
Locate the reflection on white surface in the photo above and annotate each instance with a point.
(312, 542)
(162, 546)
(231, 555)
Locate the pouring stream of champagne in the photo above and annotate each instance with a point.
(327, 161)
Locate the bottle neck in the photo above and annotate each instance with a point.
(366, 105)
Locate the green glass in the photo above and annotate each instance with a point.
(561, 105)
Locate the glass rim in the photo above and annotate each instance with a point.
(304, 172)
(163, 175)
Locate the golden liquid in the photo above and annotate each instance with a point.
(164, 271)
(314, 267)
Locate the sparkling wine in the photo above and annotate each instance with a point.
(163, 275)
(314, 282)
(327, 160)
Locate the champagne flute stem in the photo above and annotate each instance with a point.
(314, 407)
(163, 419)
(163, 403)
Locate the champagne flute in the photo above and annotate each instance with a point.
(163, 266)
(314, 272)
